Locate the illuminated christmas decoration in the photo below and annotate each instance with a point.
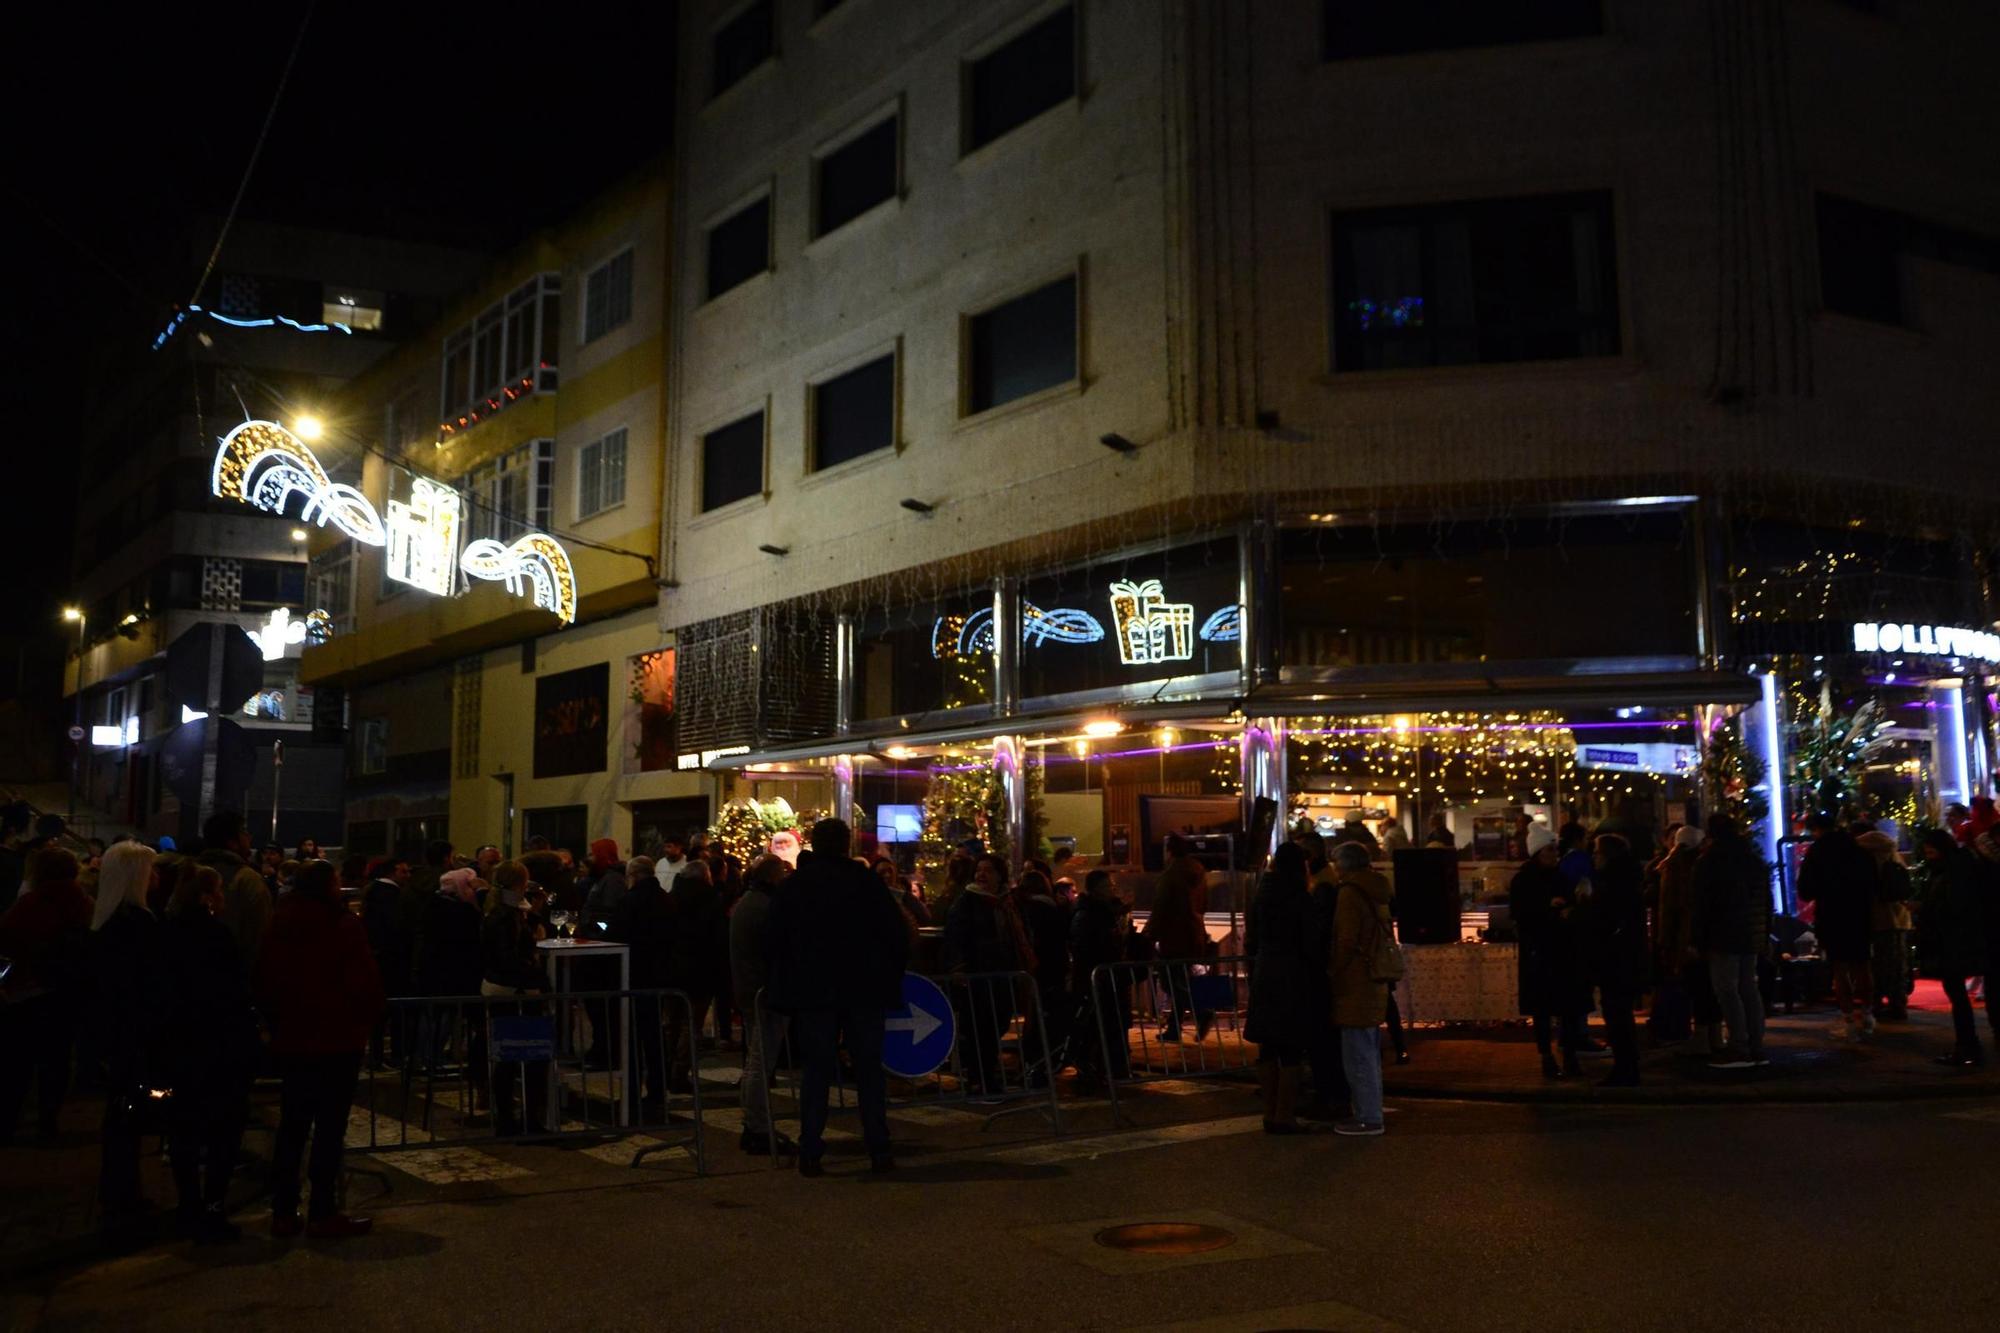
(263, 465)
(280, 631)
(1225, 626)
(423, 537)
(972, 636)
(1150, 628)
(269, 321)
(535, 557)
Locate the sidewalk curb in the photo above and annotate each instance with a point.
(1584, 1094)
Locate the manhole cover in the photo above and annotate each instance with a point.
(1165, 1238)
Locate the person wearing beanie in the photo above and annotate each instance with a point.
(1539, 899)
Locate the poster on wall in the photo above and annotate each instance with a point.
(572, 721)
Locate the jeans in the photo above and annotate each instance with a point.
(1323, 1057)
(35, 1040)
(1734, 977)
(1890, 963)
(821, 1033)
(203, 1136)
(1852, 982)
(1361, 1061)
(318, 1092)
(761, 1042)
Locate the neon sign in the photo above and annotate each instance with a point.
(1149, 627)
(263, 465)
(1927, 641)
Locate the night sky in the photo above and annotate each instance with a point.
(399, 119)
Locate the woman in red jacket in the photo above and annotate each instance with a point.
(321, 994)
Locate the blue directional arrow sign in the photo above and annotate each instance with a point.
(918, 1036)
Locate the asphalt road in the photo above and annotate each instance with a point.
(1465, 1215)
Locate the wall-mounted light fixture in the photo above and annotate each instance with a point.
(768, 549)
(1113, 440)
(917, 506)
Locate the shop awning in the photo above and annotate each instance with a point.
(1541, 686)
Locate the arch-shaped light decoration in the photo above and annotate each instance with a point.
(262, 464)
(536, 557)
(975, 634)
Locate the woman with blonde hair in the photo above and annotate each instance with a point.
(125, 964)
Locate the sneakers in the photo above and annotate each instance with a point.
(338, 1226)
(1867, 1025)
(1359, 1129)
(1732, 1059)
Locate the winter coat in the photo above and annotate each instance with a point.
(125, 991)
(1838, 878)
(1174, 926)
(749, 951)
(47, 934)
(698, 952)
(208, 1041)
(646, 925)
(1281, 937)
(547, 870)
(1732, 899)
(1100, 932)
(1951, 918)
(507, 956)
(388, 941)
(1047, 923)
(451, 962)
(1361, 910)
(605, 900)
(1547, 980)
(316, 980)
(1674, 923)
(246, 902)
(837, 940)
(981, 934)
(1889, 908)
(1611, 926)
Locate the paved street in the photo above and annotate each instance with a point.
(1466, 1214)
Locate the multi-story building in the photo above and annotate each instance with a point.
(287, 314)
(480, 708)
(1391, 410)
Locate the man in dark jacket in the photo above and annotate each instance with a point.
(1838, 878)
(1611, 928)
(1539, 898)
(46, 933)
(317, 985)
(1100, 935)
(1951, 940)
(838, 949)
(645, 923)
(389, 942)
(1730, 923)
(246, 898)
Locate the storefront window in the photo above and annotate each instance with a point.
(1522, 588)
(649, 713)
(1132, 620)
(924, 657)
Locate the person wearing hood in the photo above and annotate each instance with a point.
(1360, 916)
(1611, 927)
(1839, 879)
(1951, 940)
(1731, 925)
(1678, 963)
(1889, 928)
(1281, 937)
(126, 997)
(47, 935)
(321, 995)
(1539, 899)
(208, 1053)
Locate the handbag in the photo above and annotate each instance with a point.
(1385, 955)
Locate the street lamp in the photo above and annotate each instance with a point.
(74, 615)
(308, 427)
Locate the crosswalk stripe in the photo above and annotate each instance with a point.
(1064, 1150)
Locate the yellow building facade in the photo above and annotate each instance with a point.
(473, 713)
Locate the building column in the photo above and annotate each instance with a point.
(843, 788)
(1010, 766)
(1951, 759)
(1262, 755)
(1006, 646)
(843, 674)
(1764, 738)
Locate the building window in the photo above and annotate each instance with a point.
(607, 296)
(739, 246)
(373, 742)
(853, 178)
(1459, 284)
(358, 309)
(1010, 86)
(854, 413)
(332, 581)
(1861, 250)
(600, 474)
(1026, 345)
(1355, 28)
(268, 584)
(510, 496)
(732, 462)
(739, 46)
(508, 353)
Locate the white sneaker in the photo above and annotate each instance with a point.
(1867, 1025)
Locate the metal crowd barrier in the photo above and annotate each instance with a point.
(1003, 1057)
(1200, 1003)
(509, 1068)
